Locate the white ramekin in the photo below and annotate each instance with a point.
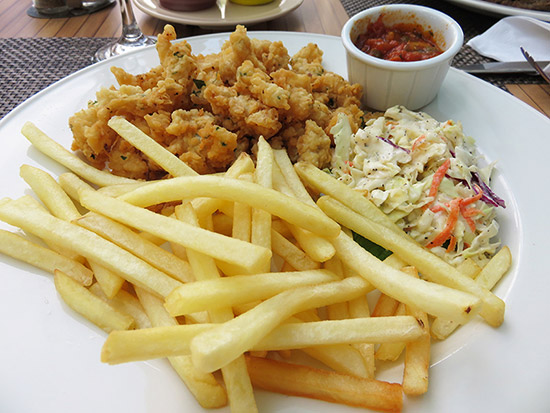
(411, 84)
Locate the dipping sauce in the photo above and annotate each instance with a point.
(402, 42)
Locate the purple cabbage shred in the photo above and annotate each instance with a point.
(489, 197)
(390, 142)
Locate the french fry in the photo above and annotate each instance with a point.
(26, 214)
(285, 249)
(49, 192)
(239, 289)
(488, 277)
(90, 306)
(469, 268)
(162, 156)
(392, 351)
(174, 340)
(433, 298)
(55, 151)
(291, 177)
(60, 205)
(260, 232)
(417, 353)
(217, 347)
(493, 271)
(110, 282)
(285, 207)
(235, 375)
(242, 222)
(326, 184)
(351, 330)
(430, 265)
(126, 303)
(343, 358)
(279, 182)
(243, 165)
(359, 308)
(41, 257)
(162, 340)
(338, 311)
(56, 200)
(264, 165)
(129, 240)
(395, 262)
(121, 189)
(318, 248)
(204, 386)
(248, 256)
(385, 306)
(336, 266)
(72, 184)
(222, 224)
(305, 381)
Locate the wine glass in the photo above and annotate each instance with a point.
(131, 37)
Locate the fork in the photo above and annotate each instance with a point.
(534, 64)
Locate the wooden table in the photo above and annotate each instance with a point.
(314, 16)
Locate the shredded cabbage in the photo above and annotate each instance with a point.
(395, 157)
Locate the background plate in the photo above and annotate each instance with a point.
(212, 17)
(495, 9)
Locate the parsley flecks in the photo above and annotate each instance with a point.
(199, 84)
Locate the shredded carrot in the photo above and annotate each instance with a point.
(452, 243)
(472, 199)
(468, 213)
(470, 223)
(449, 226)
(418, 141)
(437, 208)
(437, 179)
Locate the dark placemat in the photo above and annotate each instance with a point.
(28, 65)
(472, 24)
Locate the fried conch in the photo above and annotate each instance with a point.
(207, 109)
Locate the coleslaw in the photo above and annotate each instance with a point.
(426, 176)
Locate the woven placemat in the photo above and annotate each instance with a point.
(472, 24)
(28, 65)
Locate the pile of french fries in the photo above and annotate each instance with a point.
(231, 276)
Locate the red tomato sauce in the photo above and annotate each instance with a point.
(403, 42)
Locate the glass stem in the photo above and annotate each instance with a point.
(130, 28)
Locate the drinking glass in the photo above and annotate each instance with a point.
(131, 37)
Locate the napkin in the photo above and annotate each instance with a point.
(503, 40)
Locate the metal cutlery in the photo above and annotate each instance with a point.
(535, 65)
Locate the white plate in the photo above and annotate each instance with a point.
(495, 9)
(212, 17)
(50, 356)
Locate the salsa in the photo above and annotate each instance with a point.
(403, 42)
